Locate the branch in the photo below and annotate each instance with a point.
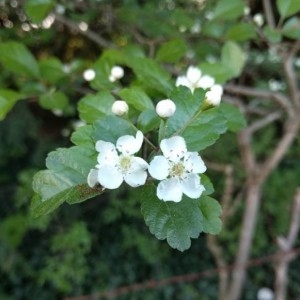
(259, 124)
(281, 99)
(285, 245)
(269, 13)
(91, 35)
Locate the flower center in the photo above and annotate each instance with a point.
(177, 170)
(125, 163)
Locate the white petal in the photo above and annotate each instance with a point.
(159, 167)
(182, 80)
(193, 163)
(205, 82)
(217, 88)
(193, 74)
(213, 98)
(92, 178)
(136, 178)
(169, 190)
(137, 163)
(173, 148)
(191, 186)
(108, 153)
(129, 144)
(110, 177)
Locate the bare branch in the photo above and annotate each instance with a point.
(269, 13)
(281, 99)
(261, 123)
(91, 35)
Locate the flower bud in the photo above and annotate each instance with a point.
(165, 108)
(214, 95)
(119, 108)
(116, 73)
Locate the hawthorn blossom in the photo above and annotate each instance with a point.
(118, 163)
(195, 79)
(165, 108)
(119, 108)
(214, 95)
(116, 73)
(178, 171)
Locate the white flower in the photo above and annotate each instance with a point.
(113, 167)
(178, 171)
(195, 79)
(89, 74)
(265, 294)
(116, 73)
(119, 108)
(165, 108)
(214, 95)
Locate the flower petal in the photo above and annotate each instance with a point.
(159, 167)
(173, 148)
(169, 190)
(182, 80)
(193, 163)
(129, 144)
(136, 178)
(109, 177)
(193, 74)
(191, 186)
(206, 82)
(108, 153)
(137, 163)
(92, 178)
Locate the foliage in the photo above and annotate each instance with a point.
(61, 237)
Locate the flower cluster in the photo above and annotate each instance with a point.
(195, 79)
(177, 169)
(116, 73)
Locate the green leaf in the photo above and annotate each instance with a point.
(148, 120)
(211, 211)
(209, 188)
(171, 51)
(233, 58)
(53, 100)
(235, 119)
(273, 35)
(176, 222)
(8, 98)
(217, 70)
(241, 32)
(291, 28)
(18, 59)
(287, 8)
(93, 107)
(187, 105)
(37, 10)
(110, 128)
(83, 136)
(229, 10)
(205, 130)
(64, 180)
(151, 74)
(51, 69)
(136, 97)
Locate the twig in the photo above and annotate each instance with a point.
(269, 13)
(261, 123)
(285, 245)
(91, 35)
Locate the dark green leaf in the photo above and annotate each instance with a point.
(233, 58)
(241, 32)
(94, 107)
(235, 119)
(54, 100)
(136, 97)
(8, 99)
(287, 8)
(273, 35)
(291, 28)
(83, 136)
(176, 222)
(51, 69)
(18, 59)
(171, 51)
(148, 120)
(229, 10)
(37, 10)
(211, 211)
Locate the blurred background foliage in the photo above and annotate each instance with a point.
(103, 243)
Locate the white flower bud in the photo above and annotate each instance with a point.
(214, 95)
(119, 108)
(116, 73)
(265, 294)
(165, 108)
